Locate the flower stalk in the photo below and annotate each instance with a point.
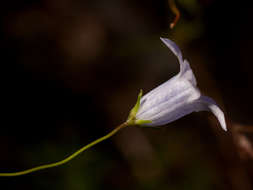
(69, 158)
(168, 102)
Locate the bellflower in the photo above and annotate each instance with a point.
(175, 98)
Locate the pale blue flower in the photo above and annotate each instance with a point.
(176, 98)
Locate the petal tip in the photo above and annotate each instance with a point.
(209, 104)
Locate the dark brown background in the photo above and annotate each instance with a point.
(71, 71)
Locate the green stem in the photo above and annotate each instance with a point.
(42, 167)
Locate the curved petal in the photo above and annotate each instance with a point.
(185, 69)
(208, 104)
(174, 48)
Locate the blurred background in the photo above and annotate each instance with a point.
(71, 71)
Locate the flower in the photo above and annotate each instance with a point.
(174, 99)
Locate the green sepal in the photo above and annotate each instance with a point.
(132, 115)
(135, 109)
(142, 122)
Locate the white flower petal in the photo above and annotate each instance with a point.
(185, 68)
(188, 74)
(173, 108)
(208, 104)
(177, 110)
(174, 48)
(174, 93)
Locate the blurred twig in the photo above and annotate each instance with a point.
(237, 173)
(175, 10)
(244, 145)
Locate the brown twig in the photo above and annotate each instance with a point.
(175, 10)
(243, 143)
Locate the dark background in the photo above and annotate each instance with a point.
(72, 70)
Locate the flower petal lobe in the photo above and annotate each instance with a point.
(208, 104)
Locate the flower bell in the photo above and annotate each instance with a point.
(173, 99)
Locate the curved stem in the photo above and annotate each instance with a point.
(42, 167)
